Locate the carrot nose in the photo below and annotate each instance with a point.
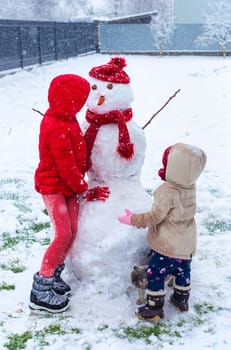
(101, 100)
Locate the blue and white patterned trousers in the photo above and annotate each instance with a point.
(160, 266)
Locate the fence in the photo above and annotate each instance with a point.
(133, 35)
(25, 43)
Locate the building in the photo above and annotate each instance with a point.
(190, 11)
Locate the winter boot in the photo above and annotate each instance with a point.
(43, 297)
(59, 286)
(180, 298)
(153, 310)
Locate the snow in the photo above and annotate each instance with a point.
(98, 316)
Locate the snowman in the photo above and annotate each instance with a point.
(105, 251)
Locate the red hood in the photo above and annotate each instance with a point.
(67, 94)
(162, 171)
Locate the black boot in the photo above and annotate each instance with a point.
(59, 286)
(43, 297)
(180, 298)
(153, 310)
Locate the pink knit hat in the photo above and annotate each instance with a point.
(162, 171)
(112, 71)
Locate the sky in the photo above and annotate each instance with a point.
(102, 308)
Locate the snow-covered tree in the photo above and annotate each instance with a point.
(117, 8)
(162, 26)
(54, 10)
(22, 9)
(44, 9)
(217, 27)
(69, 9)
(137, 6)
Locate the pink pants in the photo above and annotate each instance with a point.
(63, 212)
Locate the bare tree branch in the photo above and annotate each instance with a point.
(36, 110)
(155, 114)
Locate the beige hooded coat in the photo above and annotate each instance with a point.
(171, 223)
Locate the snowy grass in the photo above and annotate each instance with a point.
(54, 331)
(163, 332)
(199, 115)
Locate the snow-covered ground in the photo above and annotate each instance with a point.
(199, 114)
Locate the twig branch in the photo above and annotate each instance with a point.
(36, 110)
(155, 114)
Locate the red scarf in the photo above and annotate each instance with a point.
(125, 147)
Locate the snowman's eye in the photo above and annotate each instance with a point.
(94, 87)
(109, 86)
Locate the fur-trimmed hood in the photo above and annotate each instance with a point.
(185, 164)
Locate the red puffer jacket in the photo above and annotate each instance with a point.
(62, 148)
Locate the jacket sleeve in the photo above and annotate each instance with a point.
(162, 204)
(63, 155)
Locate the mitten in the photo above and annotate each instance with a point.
(126, 219)
(97, 194)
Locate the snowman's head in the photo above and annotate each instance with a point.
(105, 97)
(110, 89)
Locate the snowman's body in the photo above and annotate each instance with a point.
(105, 250)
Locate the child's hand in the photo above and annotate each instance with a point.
(97, 194)
(126, 219)
(94, 194)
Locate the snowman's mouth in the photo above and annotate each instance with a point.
(101, 100)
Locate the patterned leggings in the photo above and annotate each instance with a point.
(160, 266)
(63, 212)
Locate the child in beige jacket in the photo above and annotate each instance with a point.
(171, 228)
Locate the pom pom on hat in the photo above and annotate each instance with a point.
(112, 71)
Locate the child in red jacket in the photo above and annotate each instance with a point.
(60, 180)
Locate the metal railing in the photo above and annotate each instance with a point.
(26, 43)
